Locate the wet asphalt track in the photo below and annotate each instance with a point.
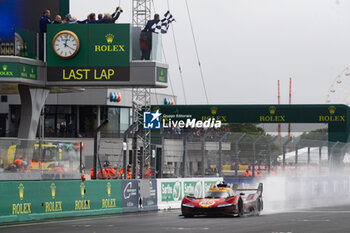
(318, 220)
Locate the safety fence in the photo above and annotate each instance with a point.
(221, 153)
(35, 200)
(177, 154)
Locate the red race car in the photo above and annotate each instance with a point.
(224, 200)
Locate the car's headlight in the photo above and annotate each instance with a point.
(188, 205)
(225, 205)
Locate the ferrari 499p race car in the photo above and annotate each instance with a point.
(224, 200)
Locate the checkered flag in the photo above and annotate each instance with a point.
(163, 25)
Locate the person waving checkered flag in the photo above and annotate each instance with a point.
(163, 25)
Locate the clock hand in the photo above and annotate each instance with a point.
(65, 43)
(69, 47)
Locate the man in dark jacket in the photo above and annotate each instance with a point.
(148, 27)
(44, 21)
(146, 44)
(92, 18)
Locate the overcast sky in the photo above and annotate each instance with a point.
(245, 46)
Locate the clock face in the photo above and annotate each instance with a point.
(65, 44)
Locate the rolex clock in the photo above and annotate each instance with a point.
(65, 44)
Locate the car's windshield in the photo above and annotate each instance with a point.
(216, 194)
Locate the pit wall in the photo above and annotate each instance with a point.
(37, 200)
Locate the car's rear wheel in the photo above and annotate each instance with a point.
(257, 211)
(240, 208)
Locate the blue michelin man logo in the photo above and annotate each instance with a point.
(151, 120)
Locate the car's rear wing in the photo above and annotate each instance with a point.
(258, 190)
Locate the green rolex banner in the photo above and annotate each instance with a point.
(18, 70)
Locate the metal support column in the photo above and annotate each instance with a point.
(284, 153)
(141, 97)
(125, 147)
(270, 153)
(331, 155)
(237, 151)
(254, 153)
(96, 143)
(296, 157)
(203, 152)
(134, 155)
(220, 152)
(184, 156)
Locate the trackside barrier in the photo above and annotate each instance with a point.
(148, 194)
(34, 200)
(130, 195)
(171, 191)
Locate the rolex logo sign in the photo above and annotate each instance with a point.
(109, 38)
(111, 45)
(272, 110)
(109, 189)
(272, 117)
(82, 190)
(332, 117)
(53, 190)
(331, 110)
(21, 191)
(4, 67)
(213, 110)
